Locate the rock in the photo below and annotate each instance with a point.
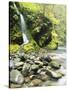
(45, 63)
(17, 59)
(38, 58)
(29, 61)
(16, 77)
(55, 64)
(53, 74)
(32, 57)
(32, 76)
(39, 62)
(36, 82)
(34, 67)
(42, 73)
(44, 77)
(27, 79)
(47, 58)
(18, 64)
(26, 69)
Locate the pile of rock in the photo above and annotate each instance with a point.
(29, 70)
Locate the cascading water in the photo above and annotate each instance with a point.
(23, 26)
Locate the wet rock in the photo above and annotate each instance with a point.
(53, 74)
(26, 69)
(55, 64)
(34, 67)
(29, 61)
(38, 58)
(32, 76)
(17, 60)
(45, 63)
(42, 73)
(16, 77)
(32, 57)
(36, 82)
(27, 79)
(44, 77)
(18, 64)
(47, 58)
(39, 63)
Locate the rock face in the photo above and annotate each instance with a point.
(16, 77)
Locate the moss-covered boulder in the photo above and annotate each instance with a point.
(31, 46)
(54, 42)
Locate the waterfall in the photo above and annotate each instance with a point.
(16, 8)
(23, 28)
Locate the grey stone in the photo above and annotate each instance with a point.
(39, 62)
(34, 66)
(26, 69)
(55, 64)
(53, 74)
(16, 77)
(18, 64)
(36, 82)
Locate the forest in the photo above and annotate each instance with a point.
(37, 31)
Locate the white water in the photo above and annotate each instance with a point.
(16, 8)
(23, 28)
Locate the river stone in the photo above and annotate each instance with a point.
(32, 57)
(55, 64)
(34, 67)
(27, 79)
(44, 77)
(16, 77)
(17, 60)
(36, 82)
(18, 64)
(47, 58)
(53, 74)
(26, 69)
(39, 62)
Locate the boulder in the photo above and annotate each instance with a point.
(55, 64)
(16, 77)
(39, 63)
(53, 74)
(44, 77)
(47, 58)
(36, 82)
(18, 64)
(34, 67)
(26, 69)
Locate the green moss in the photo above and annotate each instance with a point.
(31, 46)
(14, 48)
(54, 42)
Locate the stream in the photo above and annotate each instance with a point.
(60, 55)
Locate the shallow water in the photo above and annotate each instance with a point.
(60, 55)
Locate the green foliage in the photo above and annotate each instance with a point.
(45, 23)
(14, 48)
(31, 46)
(54, 42)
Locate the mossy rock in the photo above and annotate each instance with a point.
(14, 48)
(31, 46)
(53, 45)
